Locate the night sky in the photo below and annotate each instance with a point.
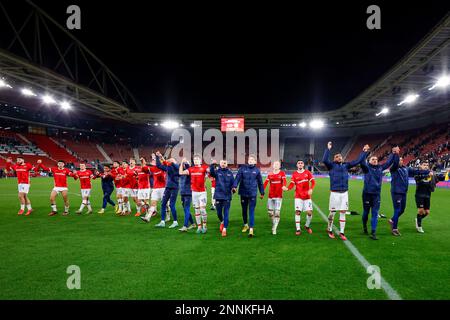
(227, 58)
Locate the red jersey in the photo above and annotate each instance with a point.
(134, 182)
(127, 177)
(159, 177)
(143, 177)
(277, 182)
(59, 175)
(22, 171)
(302, 181)
(198, 174)
(117, 180)
(85, 178)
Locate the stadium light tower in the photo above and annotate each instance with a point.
(65, 105)
(47, 99)
(385, 110)
(27, 92)
(170, 124)
(441, 83)
(3, 84)
(410, 98)
(316, 124)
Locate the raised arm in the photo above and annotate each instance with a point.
(41, 166)
(326, 157)
(364, 166)
(362, 158)
(181, 170)
(9, 165)
(159, 165)
(417, 172)
(212, 170)
(392, 158)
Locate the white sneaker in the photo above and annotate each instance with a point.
(192, 226)
(183, 229)
(420, 230)
(274, 231)
(173, 225)
(162, 224)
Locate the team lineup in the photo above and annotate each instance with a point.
(161, 180)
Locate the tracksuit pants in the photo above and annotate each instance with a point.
(248, 205)
(170, 195)
(371, 201)
(399, 202)
(186, 201)
(223, 211)
(107, 198)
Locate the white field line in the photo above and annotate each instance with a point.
(391, 293)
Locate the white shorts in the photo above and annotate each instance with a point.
(157, 194)
(85, 193)
(119, 191)
(59, 189)
(134, 193)
(274, 204)
(199, 199)
(23, 187)
(303, 205)
(338, 201)
(126, 192)
(143, 194)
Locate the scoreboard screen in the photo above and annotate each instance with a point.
(232, 124)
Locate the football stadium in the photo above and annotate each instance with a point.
(103, 198)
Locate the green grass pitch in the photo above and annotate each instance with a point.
(123, 258)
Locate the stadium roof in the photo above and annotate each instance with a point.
(81, 77)
(415, 73)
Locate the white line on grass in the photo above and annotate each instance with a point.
(391, 293)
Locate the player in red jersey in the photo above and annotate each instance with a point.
(135, 186)
(85, 177)
(118, 184)
(60, 174)
(198, 174)
(159, 185)
(304, 183)
(127, 176)
(213, 190)
(277, 180)
(22, 170)
(143, 194)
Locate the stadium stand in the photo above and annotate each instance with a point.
(54, 151)
(375, 141)
(86, 151)
(118, 152)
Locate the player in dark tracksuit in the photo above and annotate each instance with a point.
(338, 171)
(186, 200)
(399, 190)
(249, 180)
(171, 190)
(425, 185)
(107, 186)
(223, 193)
(373, 179)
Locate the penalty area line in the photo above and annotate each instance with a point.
(391, 293)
